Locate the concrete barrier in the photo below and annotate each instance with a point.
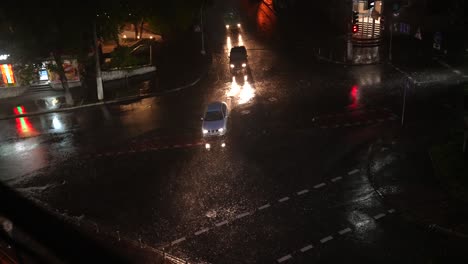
(127, 72)
(7, 92)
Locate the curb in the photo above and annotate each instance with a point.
(407, 217)
(123, 99)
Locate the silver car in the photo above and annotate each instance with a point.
(215, 119)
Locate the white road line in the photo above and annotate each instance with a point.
(239, 216)
(336, 179)
(344, 231)
(320, 185)
(282, 259)
(323, 127)
(357, 123)
(379, 216)
(201, 231)
(308, 247)
(264, 206)
(380, 120)
(302, 192)
(457, 72)
(221, 223)
(391, 211)
(347, 124)
(326, 239)
(177, 241)
(284, 199)
(353, 172)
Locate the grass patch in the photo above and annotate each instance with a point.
(449, 165)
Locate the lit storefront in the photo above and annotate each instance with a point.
(7, 77)
(43, 75)
(367, 37)
(369, 19)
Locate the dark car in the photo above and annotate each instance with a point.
(238, 59)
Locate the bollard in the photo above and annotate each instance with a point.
(319, 51)
(141, 245)
(97, 228)
(118, 234)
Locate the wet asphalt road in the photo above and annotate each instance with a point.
(289, 187)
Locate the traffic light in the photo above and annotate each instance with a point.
(355, 26)
(355, 17)
(370, 4)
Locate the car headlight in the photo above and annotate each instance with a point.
(238, 25)
(223, 145)
(205, 131)
(227, 26)
(207, 146)
(232, 65)
(244, 65)
(221, 130)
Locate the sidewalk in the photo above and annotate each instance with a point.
(401, 171)
(180, 65)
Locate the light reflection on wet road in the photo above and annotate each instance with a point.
(245, 203)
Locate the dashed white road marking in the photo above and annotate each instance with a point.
(457, 72)
(320, 185)
(347, 124)
(391, 211)
(336, 179)
(282, 259)
(221, 223)
(380, 120)
(284, 199)
(379, 216)
(308, 247)
(264, 206)
(177, 241)
(201, 231)
(344, 231)
(353, 172)
(357, 123)
(302, 192)
(239, 216)
(326, 239)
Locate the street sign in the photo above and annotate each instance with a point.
(404, 28)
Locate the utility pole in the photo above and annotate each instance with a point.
(151, 54)
(203, 51)
(100, 90)
(403, 110)
(391, 40)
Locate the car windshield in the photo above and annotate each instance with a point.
(213, 116)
